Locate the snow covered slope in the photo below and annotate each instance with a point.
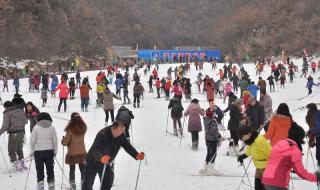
(169, 165)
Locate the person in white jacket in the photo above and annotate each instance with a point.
(44, 146)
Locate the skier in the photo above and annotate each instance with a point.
(233, 125)
(158, 86)
(74, 140)
(313, 119)
(255, 113)
(63, 95)
(118, 83)
(78, 79)
(266, 101)
(44, 147)
(103, 151)
(194, 124)
(243, 84)
(137, 92)
(310, 84)
(262, 84)
(54, 84)
(18, 101)
(108, 105)
(227, 90)
(5, 84)
(271, 82)
(213, 139)
(14, 120)
(72, 88)
(16, 83)
(44, 95)
(253, 89)
(232, 98)
(285, 156)
(280, 124)
(176, 115)
(125, 84)
(84, 96)
(235, 82)
(150, 82)
(32, 113)
(259, 148)
(187, 89)
(100, 90)
(177, 90)
(125, 116)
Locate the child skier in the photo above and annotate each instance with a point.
(100, 89)
(259, 148)
(213, 139)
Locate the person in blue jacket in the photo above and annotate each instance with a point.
(310, 84)
(54, 84)
(118, 83)
(253, 89)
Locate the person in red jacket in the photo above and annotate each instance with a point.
(63, 94)
(285, 156)
(155, 73)
(167, 88)
(158, 86)
(177, 90)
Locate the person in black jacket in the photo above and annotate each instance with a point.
(255, 113)
(233, 125)
(232, 98)
(103, 151)
(176, 114)
(125, 115)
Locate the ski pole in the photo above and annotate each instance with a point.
(167, 123)
(5, 162)
(25, 185)
(138, 175)
(184, 123)
(63, 174)
(131, 133)
(61, 118)
(312, 158)
(244, 175)
(62, 166)
(102, 176)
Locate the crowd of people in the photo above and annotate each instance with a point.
(274, 153)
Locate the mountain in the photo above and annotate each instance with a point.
(44, 28)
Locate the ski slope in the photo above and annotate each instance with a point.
(169, 165)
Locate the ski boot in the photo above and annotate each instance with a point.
(212, 171)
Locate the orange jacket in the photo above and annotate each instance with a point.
(278, 128)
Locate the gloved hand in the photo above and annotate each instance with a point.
(105, 159)
(140, 156)
(241, 158)
(34, 114)
(318, 176)
(311, 143)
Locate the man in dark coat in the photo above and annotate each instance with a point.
(103, 151)
(176, 114)
(255, 113)
(233, 125)
(125, 116)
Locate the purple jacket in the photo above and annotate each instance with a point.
(194, 111)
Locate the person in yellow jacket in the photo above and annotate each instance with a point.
(100, 89)
(259, 148)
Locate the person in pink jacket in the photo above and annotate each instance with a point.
(227, 90)
(63, 94)
(177, 90)
(194, 124)
(285, 156)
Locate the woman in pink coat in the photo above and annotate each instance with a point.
(63, 94)
(194, 125)
(285, 156)
(227, 90)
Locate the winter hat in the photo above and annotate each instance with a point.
(244, 131)
(239, 101)
(297, 134)
(7, 104)
(283, 109)
(195, 101)
(44, 116)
